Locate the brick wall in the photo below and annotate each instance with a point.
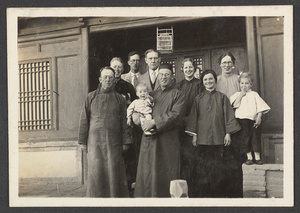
(262, 181)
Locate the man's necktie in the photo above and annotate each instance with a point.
(135, 81)
(153, 77)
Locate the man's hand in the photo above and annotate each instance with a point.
(129, 122)
(148, 124)
(125, 147)
(194, 141)
(227, 140)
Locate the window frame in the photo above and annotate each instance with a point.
(38, 127)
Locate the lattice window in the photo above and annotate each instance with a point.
(35, 95)
(170, 61)
(199, 62)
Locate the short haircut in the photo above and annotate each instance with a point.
(190, 60)
(224, 55)
(209, 72)
(152, 50)
(132, 53)
(116, 59)
(246, 75)
(106, 68)
(141, 85)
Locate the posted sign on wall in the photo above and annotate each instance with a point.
(165, 40)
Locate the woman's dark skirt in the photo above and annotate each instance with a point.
(217, 172)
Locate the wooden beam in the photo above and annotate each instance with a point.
(105, 23)
(252, 52)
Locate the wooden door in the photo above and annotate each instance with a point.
(270, 59)
(269, 34)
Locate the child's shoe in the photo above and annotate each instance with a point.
(259, 162)
(249, 162)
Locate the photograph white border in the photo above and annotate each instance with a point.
(213, 11)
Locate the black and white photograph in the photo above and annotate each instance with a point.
(151, 106)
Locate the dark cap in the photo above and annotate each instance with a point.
(166, 66)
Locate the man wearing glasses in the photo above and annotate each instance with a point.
(152, 58)
(133, 75)
(159, 160)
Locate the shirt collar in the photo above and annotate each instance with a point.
(212, 91)
(151, 71)
(108, 90)
(134, 74)
(167, 88)
(189, 80)
(227, 75)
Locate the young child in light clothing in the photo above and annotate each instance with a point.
(249, 109)
(142, 107)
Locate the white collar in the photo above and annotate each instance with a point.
(156, 71)
(134, 74)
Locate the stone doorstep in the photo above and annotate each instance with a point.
(264, 167)
(257, 183)
(254, 183)
(247, 172)
(254, 194)
(254, 178)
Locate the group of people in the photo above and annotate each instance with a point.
(141, 131)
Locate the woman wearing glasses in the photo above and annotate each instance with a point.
(228, 82)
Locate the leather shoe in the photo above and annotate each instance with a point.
(259, 162)
(249, 162)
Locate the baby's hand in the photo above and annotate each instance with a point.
(129, 122)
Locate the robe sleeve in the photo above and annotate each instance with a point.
(84, 122)
(191, 121)
(171, 118)
(130, 109)
(231, 124)
(234, 97)
(150, 101)
(126, 130)
(261, 105)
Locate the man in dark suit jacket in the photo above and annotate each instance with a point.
(133, 75)
(152, 58)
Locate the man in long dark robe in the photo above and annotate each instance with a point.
(104, 131)
(159, 161)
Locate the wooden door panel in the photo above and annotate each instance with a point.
(270, 60)
(272, 79)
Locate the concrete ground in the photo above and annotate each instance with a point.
(259, 181)
(44, 189)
